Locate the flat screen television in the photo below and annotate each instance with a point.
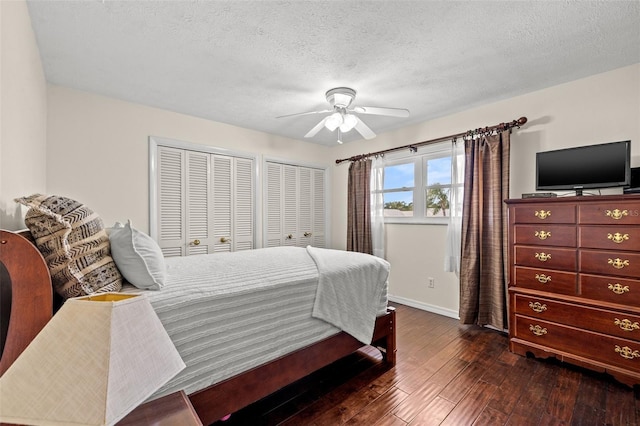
(593, 166)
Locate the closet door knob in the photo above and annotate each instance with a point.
(196, 242)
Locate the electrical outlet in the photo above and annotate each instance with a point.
(432, 282)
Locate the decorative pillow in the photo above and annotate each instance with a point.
(74, 243)
(138, 257)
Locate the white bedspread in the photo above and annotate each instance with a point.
(229, 312)
(351, 287)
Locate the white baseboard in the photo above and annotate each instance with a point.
(425, 306)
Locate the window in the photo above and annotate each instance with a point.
(417, 187)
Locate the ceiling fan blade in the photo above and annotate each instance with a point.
(316, 129)
(393, 112)
(305, 113)
(364, 130)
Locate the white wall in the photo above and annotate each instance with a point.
(98, 150)
(23, 113)
(598, 109)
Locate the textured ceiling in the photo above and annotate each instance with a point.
(246, 62)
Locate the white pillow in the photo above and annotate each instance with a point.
(138, 257)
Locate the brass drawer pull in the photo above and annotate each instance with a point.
(626, 324)
(627, 352)
(543, 278)
(617, 288)
(542, 214)
(617, 237)
(196, 242)
(538, 307)
(618, 263)
(543, 235)
(543, 257)
(225, 240)
(537, 330)
(290, 236)
(616, 214)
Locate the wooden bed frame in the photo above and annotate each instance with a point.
(29, 299)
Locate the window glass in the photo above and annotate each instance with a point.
(399, 176)
(398, 204)
(398, 189)
(437, 186)
(438, 171)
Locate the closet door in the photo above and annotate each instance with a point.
(273, 204)
(243, 204)
(290, 205)
(305, 206)
(198, 218)
(170, 184)
(233, 206)
(294, 206)
(318, 210)
(222, 203)
(205, 202)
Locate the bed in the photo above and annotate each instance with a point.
(213, 395)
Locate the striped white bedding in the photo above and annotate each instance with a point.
(227, 313)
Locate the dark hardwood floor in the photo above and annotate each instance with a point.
(447, 374)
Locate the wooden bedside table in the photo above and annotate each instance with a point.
(170, 410)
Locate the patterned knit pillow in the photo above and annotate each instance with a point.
(74, 243)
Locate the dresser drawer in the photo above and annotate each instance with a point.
(546, 213)
(611, 350)
(545, 257)
(546, 280)
(604, 321)
(614, 237)
(619, 263)
(610, 289)
(545, 235)
(610, 212)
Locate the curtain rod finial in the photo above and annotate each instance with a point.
(521, 121)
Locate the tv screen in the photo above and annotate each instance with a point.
(593, 166)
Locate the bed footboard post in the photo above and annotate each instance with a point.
(390, 341)
(384, 335)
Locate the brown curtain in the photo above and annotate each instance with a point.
(483, 267)
(359, 207)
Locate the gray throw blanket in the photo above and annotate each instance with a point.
(350, 287)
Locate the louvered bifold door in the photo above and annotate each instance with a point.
(319, 209)
(171, 197)
(273, 196)
(198, 202)
(243, 204)
(290, 206)
(305, 206)
(222, 203)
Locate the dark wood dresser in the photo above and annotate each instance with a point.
(574, 288)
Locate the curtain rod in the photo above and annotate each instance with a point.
(414, 146)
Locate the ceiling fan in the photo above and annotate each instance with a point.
(343, 117)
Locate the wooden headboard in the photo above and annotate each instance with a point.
(26, 296)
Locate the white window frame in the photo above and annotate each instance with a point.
(419, 159)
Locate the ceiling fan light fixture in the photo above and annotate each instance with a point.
(333, 121)
(349, 121)
(342, 100)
